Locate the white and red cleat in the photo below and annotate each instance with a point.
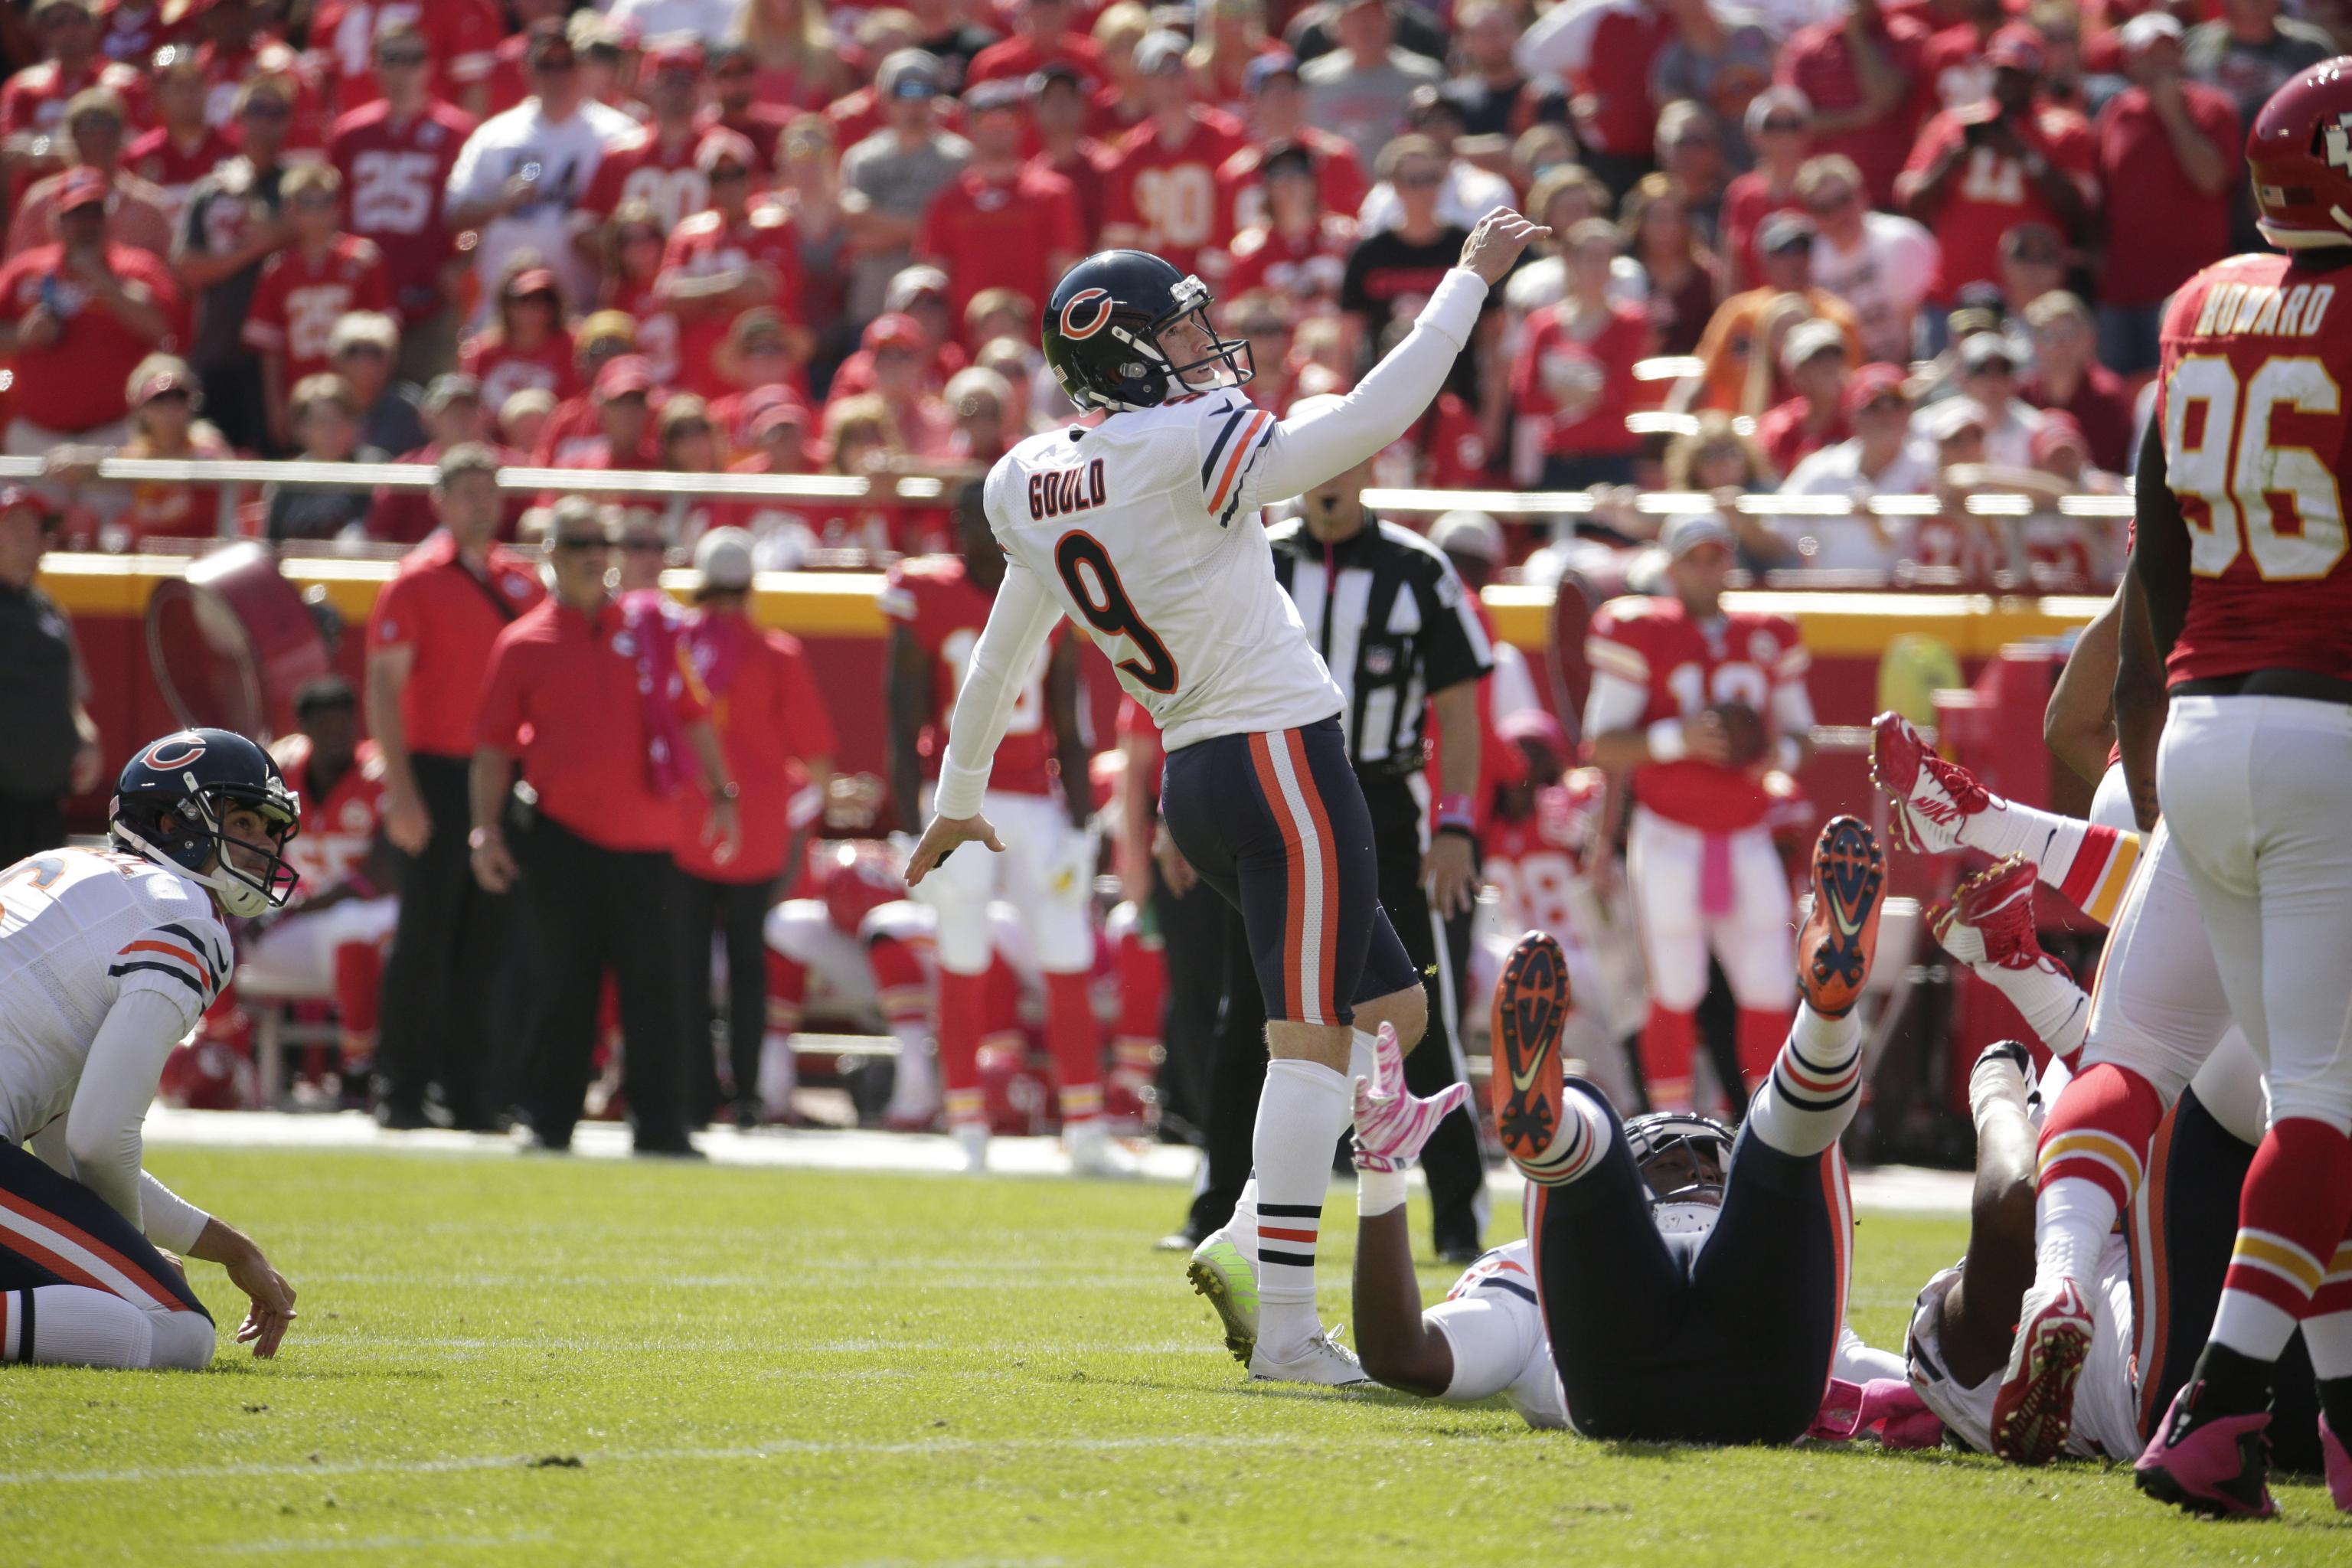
(1991, 919)
(2034, 1413)
(1932, 797)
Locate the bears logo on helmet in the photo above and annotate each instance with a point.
(173, 801)
(1078, 331)
(1102, 333)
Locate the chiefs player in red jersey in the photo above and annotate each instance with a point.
(307, 287)
(938, 605)
(2241, 586)
(394, 156)
(1698, 701)
(719, 263)
(330, 940)
(1160, 191)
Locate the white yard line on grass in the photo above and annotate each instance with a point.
(1894, 1188)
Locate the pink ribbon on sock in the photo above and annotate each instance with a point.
(1715, 895)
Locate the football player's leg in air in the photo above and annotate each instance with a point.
(1684, 1302)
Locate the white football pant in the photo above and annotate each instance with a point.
(1047, 874)
(1663, 863)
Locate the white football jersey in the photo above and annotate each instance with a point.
(1144, 530)
(1493, 1324)
(78, 930)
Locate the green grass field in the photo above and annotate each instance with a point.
(509, 1361)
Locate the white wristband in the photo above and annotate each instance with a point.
(1377, 1192)
(1666, 739)
(961, 790)
(1786, 755)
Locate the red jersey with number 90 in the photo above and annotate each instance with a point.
(1688, 666)
(2257, 355)
(935, 599)
(1534, 863)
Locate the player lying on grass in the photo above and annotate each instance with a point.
(106, 960)
(1708, 1306)
(1488, 1336)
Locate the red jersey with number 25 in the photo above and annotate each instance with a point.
(1687, 666)
(935, 599)
(2257, 353)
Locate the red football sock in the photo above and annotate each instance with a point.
(2100, 1129)
(1667, 1040)
(957, 1031)
(1142, 987)
(900, 984)
(787, 987)
(359, 991)
(2290, 1217)
(1762, 1032)
(1076, 1043)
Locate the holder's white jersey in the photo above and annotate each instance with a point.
(81, 929)
(1144, 530)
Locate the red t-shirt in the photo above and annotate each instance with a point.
(339, 825)
(76, 383)
(1020, 58)
(706, 244)
(504, 371)
(393, 176)
(1534, 864)
(1609, 48)
(156, 158)
(300, 298)
(1685, 667)
(35, 99)
(561, 693)
(1264, 258)
(770, 718)
(646, 168)
(1785, 437)
(933, 598)
(2160, 228)
(2253, 344)
(1747, 201)
(1171, 192)
(998, 233)
(2104, 407)
(1241, 189)
(1584, 389)
(1084, 171)
(1992, 194)
(1952, 71)
(437, 605)
(461, 39)
(1818, 61)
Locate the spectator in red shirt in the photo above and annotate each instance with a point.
(779, 744)
(77, 315)
(624, 435)
(999, 224)
(1161, 193)
(163, 423)
(1780, 129)
(735, 105)
(1603, 50)
(1573, 381)
(2068, 376)
(902, 359)
(136, 213)
(2169, 155)
(1955, 70)
(1297, 249)
(799, 60)
(1683, 275)
(604, 337)
(346, 41)
(181, 145)
(453, 415)
(1978, 171)
(1277, 107)
(1814, 360)
(1057, 102)
(1042, 36)
(597, 699)
(394, 156)
(321, 277)
(525, 345)
(737, 256)
(1117, 104)
(1857, 70)
(33, 102)
(656, 165)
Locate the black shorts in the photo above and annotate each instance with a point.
(1724, 1336)
(55, 1231)
(1276, 823)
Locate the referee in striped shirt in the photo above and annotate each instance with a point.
(1390, 616)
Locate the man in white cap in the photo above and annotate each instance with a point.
(779, 742)
(1700, 703)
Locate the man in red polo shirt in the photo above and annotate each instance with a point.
(1000, 224)
(604, 710)
(428, 641)
(1160, 193)
(75, 318)
(779, 742)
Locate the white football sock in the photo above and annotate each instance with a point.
(2053, 1006)
(1809, 1097)
(1300, 1115)
(915, 1087)
(73, 1325)
(2072, 1217)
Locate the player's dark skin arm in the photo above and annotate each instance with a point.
(1981, 1310)
(907, 692)
(2156, 603)
(2079, 724)
(1397, 1344)
(1070, 752)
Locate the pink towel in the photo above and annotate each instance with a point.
(653, 624)
(1886, 1408)
(1715, 896)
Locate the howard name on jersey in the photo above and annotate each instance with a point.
(1685, 667)
(936, 600)
(340, 829)
(1143, 529)
(80, 929)
(2256, 355)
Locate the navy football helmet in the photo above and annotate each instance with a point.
(1684, 1160)
(175, 796)
(1103, 326)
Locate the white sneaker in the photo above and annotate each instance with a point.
(1221, 1271)
(1091, 1153)
(972, 1138)
(1324, 1361)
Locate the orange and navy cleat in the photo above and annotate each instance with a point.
(1841, 935)
(1530, 1008)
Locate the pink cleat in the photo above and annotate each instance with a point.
(2339, 1467)
(2219, 1467)
(2034, 1413)
(1932, 797)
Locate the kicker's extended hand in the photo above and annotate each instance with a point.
(1392, 1122)
(940, 838)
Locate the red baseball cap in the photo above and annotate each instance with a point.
(1868, 384)
(622, 375)
(533, 280)
(786, 410)
(2058, 428)
(674, 53)
(719, 145)
(2018, 47)
(895, 329)
(80, 186)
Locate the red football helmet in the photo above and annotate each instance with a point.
(857, 877)
(2299, 156)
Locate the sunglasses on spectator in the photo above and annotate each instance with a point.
(643, 546)
(404, 58)
(606, 348)
(594, 543)
(1887, 404)
(2034, 254)
(1830, 201)
(764, 346)
(265, 109)
(683, 427)
(1783, 123)
(1420, 180)
(316, 201)
(350, 350)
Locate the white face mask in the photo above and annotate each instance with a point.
(1685, 1219)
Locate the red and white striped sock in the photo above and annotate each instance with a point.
(2086, 863)
(2292, 1214)
(1077, 1047)
(957, 1030)
(1668, 1040)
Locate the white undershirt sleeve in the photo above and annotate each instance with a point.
(1613, 703)
(118, 1083)
(1792, 709)
(1018, 623)
(1304, 453)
